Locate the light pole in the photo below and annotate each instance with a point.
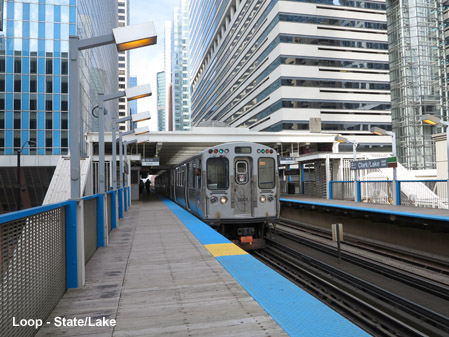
(136, 131)
(382, 132)
(138, 117)
(130, 94)
(434, 120)
(342, 139)
(125, 38)
(19, 185)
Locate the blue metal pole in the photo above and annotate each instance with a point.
(125, 194)
(129, 196)
(330, 190)
(71, 246)
(113, 210)
(120, 203)
(359, 191)
(398, 191)
(100, 221)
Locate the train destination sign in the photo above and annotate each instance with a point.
(374, 163)
(150, 161)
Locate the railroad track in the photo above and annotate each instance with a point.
(425, 262)
(380, 311)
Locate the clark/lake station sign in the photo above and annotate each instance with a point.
(374, 163)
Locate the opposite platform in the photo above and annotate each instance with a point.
(156, 279)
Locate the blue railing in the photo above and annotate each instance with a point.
(418, 193)
(33, 280)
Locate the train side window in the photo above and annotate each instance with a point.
(266, 170)
(217, 173)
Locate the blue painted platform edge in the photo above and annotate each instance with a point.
(296, 311)
(372, 210)
(204, 233)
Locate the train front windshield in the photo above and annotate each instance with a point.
(217, 173)
(266, 172)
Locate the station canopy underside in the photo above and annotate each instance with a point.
(177, 146)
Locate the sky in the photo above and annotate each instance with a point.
(146, 62)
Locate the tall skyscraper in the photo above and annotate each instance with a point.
(34, 77)
(180, 67)
(161, 101)
(274, 65)
(133, 104)
(123, 63)
(416, 32)
(168, 73)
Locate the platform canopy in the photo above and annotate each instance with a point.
(176, 146)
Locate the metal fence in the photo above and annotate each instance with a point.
(414, 193)
(90, 228)
(39, 249)
(33, 267)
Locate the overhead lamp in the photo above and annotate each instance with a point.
(142, 130)
(431, 119)
(135, 36)
(140, 91)
(140, 117)
(341, 139)
(378, 131)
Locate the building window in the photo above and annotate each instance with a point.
(64, 67)
(18, 66)
(49, 66)
(33, 66)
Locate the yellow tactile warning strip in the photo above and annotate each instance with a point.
(224, 249)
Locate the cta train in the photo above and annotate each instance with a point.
(233, 187)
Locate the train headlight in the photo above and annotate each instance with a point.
(270, 198)
(263, 198)
(223, 200)
(214, 200)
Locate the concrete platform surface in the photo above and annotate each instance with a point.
(156, 279)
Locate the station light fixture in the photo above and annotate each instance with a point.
(135, 36)
(378, 131)
(341, 139)
(140, 117)
(140, 91)
(125, 38)
(431, 119)
(142, 130)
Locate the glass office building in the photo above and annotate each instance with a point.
(34, 86)
(161, 101)
(34, 71)
(180, 67)
(416, 31)
(275, 65)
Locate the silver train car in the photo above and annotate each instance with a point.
(233, 187)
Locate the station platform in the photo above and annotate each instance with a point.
(437, 214)
(165, 272)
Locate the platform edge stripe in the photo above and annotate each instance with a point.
(295, 310)
(372, 210)
(224, 249)
(202, 232)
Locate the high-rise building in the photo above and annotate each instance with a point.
(275, 65)
(133, 103)
(123, 63)
(34, 77)
(167, 71)
(180, 67)
(418, 73)
(161, 101)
